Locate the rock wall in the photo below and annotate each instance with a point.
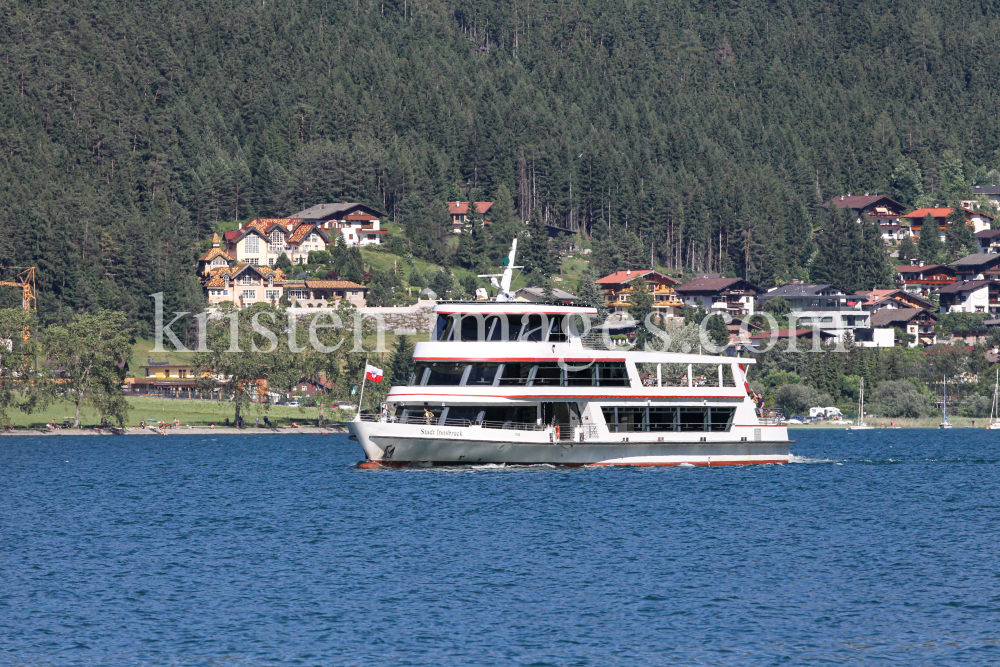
(406, 319)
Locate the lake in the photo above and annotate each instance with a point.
(875, 546)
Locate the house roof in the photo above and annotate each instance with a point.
(963, 286)
(986, 189)
(335, 211)
(976, 259)
(888, 317)
(988, 234)
(801, 289)
(539, 292)
(301, 232)
(875, 296)
(923, 269)
(333, 284)
(922, 213)
(462, 207)
(712, 285)
(621, 277)
(213, 253)
(861, 201)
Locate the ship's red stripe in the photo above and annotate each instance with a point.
(379, 465)
(608, 397)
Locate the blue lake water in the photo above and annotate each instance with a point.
(879, 546)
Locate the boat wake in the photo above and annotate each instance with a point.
(806, 459)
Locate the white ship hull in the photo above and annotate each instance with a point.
(401, 445)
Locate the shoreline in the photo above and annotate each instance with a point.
(336, 428)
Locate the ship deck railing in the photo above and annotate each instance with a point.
(437, 421)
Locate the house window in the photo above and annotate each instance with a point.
(246, 279)
(252, 245)
(298, 294)
(249, 294)
(272, 294)
(277, 242)
(270, 261)
(252, 261)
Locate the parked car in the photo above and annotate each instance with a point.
(293, 404)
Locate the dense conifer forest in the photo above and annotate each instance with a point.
(711, 131)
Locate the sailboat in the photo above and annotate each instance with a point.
(944, 404)
(861, 425)
(995, 409)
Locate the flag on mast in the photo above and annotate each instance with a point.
(372, 373)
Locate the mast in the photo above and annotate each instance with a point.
(503, 286)
(861, 402)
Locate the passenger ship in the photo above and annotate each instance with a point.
(507, 382)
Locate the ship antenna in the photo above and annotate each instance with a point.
(503, 286)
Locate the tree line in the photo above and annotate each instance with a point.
(704, 134)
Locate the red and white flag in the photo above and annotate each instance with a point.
(372, 373)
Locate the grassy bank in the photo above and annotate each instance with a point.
(193, 412)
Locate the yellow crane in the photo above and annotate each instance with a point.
(24, 280)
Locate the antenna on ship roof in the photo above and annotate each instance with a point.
(503, 286)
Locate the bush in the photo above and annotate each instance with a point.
(798, 398)
(975, 406)
(899, 398)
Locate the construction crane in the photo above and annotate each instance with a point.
(24, 280)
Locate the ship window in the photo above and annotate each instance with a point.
(579, 377)
(457, 414)
(556, 332)
(445, 373)
(482, 374)
(663, 419)
(612, 374)
(515, 374)
(418, 415)
(499, 328)
(532, 329)
(692, 418)
(445, 327)
(721, 419)
(547, 375)
(503, 416)
(683, 418)
(473, 328)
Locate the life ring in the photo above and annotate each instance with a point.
(557, 431)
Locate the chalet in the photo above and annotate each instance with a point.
(263, 240)
(620, 286)
(244, 284)
(876, 300)
(991, 192)
(717, 295)
(323, 293)
(825, 306)
(973, 267)
(989, 240)
(923, 280)
(459, 212)
(918, 322)
(978, 221)
(970, 296)
(359, 224)
(884, 210)
(537, 295)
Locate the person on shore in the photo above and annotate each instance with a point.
(142, 423)
(227, 422)
(176, 423)
(257, 423)
(267, 422)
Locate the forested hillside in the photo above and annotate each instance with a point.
(712, 130)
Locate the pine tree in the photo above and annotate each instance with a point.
(907, 249)
(588, 293)
(929, 246)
